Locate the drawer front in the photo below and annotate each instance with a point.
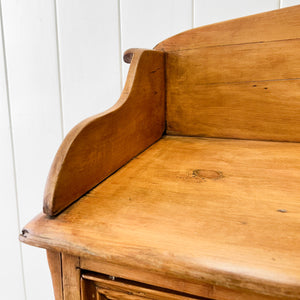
(107, 294)
(102, 288)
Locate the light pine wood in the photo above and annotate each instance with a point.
(109, 140)
(148, 277)
(66, 274)
(281, 24)
(201, 289)
(260, 61)
(120, 289)
(224, 80)
(71, 277)
(249, 110)
(55, 266)
(222, 212)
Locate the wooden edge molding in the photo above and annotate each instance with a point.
(195, 279)
(101, 144)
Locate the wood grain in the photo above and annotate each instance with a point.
(55, 266)
(199, 289)
(275, 25)
(204, 67)
(221, 212)
(127, 290)
(100, 145)
(255, 110)
(71, 277)
(261, 61)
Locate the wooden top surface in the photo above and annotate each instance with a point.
(225, 212)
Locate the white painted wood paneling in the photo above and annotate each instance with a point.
(90, 57)
(11, 277)
(212, 11)
(29, 31)
(146, 23)
(286, 3)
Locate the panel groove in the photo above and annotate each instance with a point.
(34, 104)
(12, 148)
(59, 71)
(280, 3)
(193, 13)
(89, 57)
(120, 45)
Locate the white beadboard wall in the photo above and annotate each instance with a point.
(60, 62)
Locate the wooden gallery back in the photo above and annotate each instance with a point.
(236, 79)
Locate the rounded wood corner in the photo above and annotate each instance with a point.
(129, 53)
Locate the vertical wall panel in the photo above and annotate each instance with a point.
(146, 23)
(212, 11)
(90, 57)
(286, 3)
(11, 263)
(29, 31)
